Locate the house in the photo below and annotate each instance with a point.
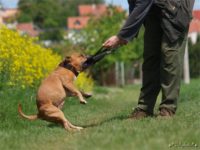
(94, 10)
(27, 28)
(194, 29)
(8, 17)
(1, 20)
(9, 14)
(196, 14)
(85, 12)
(77, 23)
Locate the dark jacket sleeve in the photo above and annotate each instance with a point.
(138, 10)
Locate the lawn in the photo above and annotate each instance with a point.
(105, 121)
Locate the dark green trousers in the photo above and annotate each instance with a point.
(162, 66)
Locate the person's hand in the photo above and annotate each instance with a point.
(114, 42)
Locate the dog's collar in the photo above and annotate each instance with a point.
(70, 67)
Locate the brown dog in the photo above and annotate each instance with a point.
(54, 89)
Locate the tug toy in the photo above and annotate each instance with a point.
(99, 55)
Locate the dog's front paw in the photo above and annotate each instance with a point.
(83, 102)
(86, 95)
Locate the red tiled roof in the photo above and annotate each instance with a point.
(77, 22)
(196, 14)
(27, 28)
(195, 23)
(194, 26)
(96, 10)
(8, 13)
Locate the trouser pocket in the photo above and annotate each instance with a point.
(178, 12)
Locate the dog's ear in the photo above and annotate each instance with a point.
(65, 61)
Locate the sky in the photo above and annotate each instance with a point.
(123, 3)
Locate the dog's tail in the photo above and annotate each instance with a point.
(31, 117)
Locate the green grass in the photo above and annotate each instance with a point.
(105, 121)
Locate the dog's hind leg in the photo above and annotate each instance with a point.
(60, 106)
(75, 127)
(53, 114)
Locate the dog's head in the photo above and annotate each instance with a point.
(76, 60)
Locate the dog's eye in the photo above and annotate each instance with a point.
(81, 55)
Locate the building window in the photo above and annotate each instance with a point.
(77, 22)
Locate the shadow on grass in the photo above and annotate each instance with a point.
(54, 125)
(106, 121)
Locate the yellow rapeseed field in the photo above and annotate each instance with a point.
(25, 63)
(22, 61)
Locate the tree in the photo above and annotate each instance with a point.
(98, 30)
(50, 15)
(26, 10)
(194, 55)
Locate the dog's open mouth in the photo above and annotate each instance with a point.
(89, 62)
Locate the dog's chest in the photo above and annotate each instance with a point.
(75, 78)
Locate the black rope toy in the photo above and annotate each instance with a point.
(99, 55)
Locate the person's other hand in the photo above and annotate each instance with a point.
(114, 42)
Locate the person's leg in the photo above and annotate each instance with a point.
(171, 72)
(151, 65)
